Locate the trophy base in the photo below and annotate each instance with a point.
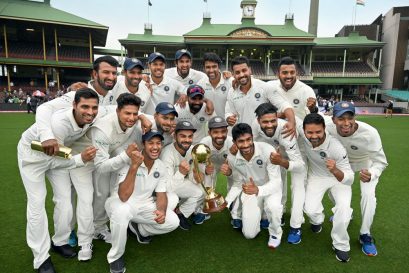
(215, 204)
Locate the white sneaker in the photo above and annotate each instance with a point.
(273, 242)
(104, 235)
(85, 253)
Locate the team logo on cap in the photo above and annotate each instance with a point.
(224, 88)
(156, 174)
(190, 81)
(186, 123)
(296, 101)
(218, 119)
(183, 50)
(323, 154)
(142, 103)
(344, 105)
(166, 88)
(202, 119)
(257, 95)
(353, 147)
(134, 60)
(170, 105)
(259, 162)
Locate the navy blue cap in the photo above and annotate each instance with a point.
(342, 107)
(130, 63)
(165, 108)
(182, 52)
(156, 55)
(151, 134)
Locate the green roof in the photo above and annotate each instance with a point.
(42, 12)
(399, 94)
(273, 31)
(353, 40)
(148, 38)
(346, 80)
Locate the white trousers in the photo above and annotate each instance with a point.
(34, 167)
(368, 205)
(121, 213)
(103, 186)
(316, 188)
(252, 208)
(192, 196)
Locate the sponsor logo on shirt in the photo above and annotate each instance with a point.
(292, 146)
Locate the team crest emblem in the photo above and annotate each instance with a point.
(186, 123)
(257, 95)
(344, 105)
(276, 142)
(296, 101)
(323, 154)
(224, 88)
(135, 60)
(190, 162)
(218, 119)
(111, 98)
(156, 174)
(170, 105)
(166, 88)
(190, 81)
(225, 155)
(259, 162)
(142, 103)
(353, 147)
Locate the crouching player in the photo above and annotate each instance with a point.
(134, 202)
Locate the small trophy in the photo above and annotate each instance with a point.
(214, 202)
(63, 151)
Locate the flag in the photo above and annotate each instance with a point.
(149, 3)
(360, 2)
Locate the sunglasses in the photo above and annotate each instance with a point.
(196, 89)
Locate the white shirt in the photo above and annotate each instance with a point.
(146, 182)
(331, 148)
(297, 96)
(288, 147)
(198, 120)
(364, 148)
(266, 176)
(217, 95)
(165, 91)
(244, 105)
(193, 77)
(143, 92)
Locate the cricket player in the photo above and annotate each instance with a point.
(131, 82)
(165, 121)
(181, 180)
(198, 111)
(329, 170)
(34, 166)
(215, 85)
(366, 156)
(183, 71)
(268, 128)
(250, 93)
(144, 176)
(259, 187)
(164, 88)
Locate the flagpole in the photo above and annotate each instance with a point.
(354, 17)
(148, 13)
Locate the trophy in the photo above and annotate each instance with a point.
(63, 151)
(214, 202)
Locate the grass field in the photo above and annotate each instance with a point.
(215, 246)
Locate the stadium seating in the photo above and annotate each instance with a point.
(353, 68)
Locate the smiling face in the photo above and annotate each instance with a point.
(315, 133)
(165, 123)
(105, 76)
(152, 148)
(242, 74)
(157, 68)
(85, 111)
(268, 124)
(212, 70)
(183, 66)
(245, 145)
(184, 139)
(127, 116)
(133, 77)
(287, 75)
(345, 124)
(218, 135)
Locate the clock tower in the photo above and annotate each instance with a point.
(249, 9)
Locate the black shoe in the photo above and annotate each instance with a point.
(133, 228)
(316, 228)
(46, 267)
(342, 256)
(183, 222)
(117, 266)
(65, 250)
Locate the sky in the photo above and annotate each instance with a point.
(177, 17)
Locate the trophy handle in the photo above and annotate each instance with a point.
(196, 168)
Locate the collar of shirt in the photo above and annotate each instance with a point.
(165, 81)
(70, 116)
(325, 145)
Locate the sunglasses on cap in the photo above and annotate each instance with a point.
(196, 89)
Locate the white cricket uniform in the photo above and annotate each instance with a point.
(243, 105)
(193, 77)
(198, 120)
(34, 166)
(139, 208)
(218, 94)
(111, 141)
(289, 150)
(165, 91)
(364, 148)
(143, 92)
(320, 180)
(267, 178)
(190, 192)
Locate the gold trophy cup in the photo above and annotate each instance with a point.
(214, 202)
(63, 151)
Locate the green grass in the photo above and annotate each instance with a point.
(215, 246)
